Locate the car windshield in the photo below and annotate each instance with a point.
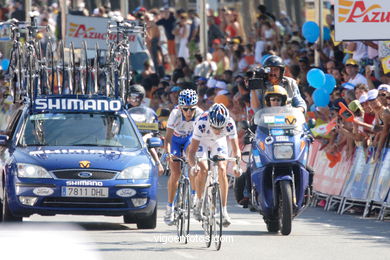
(79, 129)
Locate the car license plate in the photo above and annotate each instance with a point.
(92, 192)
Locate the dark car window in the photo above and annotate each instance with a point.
(75, 129)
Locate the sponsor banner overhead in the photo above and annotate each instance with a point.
(93, 30)
(362, 20)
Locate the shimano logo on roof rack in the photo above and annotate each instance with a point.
(76, 104)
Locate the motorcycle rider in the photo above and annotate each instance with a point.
(134, 98)
(178, 137)
(275, 76)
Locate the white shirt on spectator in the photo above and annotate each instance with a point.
(358, 79)
(360, 52)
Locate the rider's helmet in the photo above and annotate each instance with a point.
(275, 91)
(218, 115)
(275, 61)
(135, 94)
(188, 97)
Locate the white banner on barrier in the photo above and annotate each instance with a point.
(381, 183)
(94, 30)
(362, 20)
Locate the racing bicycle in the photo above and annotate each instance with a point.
(211, 209)
(182, 207)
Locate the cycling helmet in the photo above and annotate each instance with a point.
(218, 115)
(275, 90)
(188, 97)
(137, 89)
(275, 61)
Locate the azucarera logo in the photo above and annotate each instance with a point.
(356, 11)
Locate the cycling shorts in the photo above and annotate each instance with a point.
(180, 144)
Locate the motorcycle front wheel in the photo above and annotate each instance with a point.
(285, 207)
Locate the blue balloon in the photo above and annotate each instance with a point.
(311, 31)
(5, 64)
(316, 78)
(321, 98)
(326, 34)
(329, 84)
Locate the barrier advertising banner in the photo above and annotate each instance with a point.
(381, 182)
(93, 30)
(362, 20)
(330, 180)
(359, 181)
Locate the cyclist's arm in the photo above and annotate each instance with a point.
(235, 147)
(168, 140)
(192, 151)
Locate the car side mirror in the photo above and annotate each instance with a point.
(154, 142)
(4, 140)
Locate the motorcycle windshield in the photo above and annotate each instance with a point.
(279, 118)
(145, 118)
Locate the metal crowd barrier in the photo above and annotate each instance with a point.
(351, 183)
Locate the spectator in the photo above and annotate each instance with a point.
(182, 32)
(353, 76)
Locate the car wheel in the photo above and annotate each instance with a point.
(129, 219)
(7, 215)
(148, 222)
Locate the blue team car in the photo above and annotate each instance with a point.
(77, 154)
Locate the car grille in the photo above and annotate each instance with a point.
(83, 203)
(94, 174)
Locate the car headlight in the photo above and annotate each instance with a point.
(283, 151)
(138, 172)
(32, 171)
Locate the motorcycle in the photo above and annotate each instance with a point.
(279, 177)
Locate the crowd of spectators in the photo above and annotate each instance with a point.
(173, 41)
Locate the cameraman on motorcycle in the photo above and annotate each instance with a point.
(274, 75)
(134, 99)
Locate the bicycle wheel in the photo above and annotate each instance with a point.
(32, 67)
(61, 76)
(72, 70)
(84, 69)
(216, 214)
(124, 75)
(96, 62)
(186, 210)
(207, 224)
(178, 210)
(14, 72)
(51, 70)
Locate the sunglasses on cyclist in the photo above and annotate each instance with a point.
(186, 109)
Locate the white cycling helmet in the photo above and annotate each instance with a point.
(188, 97)
(218, 115)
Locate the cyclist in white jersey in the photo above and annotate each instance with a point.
(212, 131)
(180, 127)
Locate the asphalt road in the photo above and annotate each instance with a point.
(316, 235)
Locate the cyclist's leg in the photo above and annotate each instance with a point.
(200, 180)
(202, 175)
(220, 149)
(192, 178)
(172, 182)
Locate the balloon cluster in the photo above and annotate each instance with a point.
(324, 84)
(311, 32)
